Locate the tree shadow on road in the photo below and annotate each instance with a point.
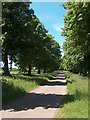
(10, 92)
(55, 83)
(33, 100)
(42, 80)
(59, 78)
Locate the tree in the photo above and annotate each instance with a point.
(26, 41)
(14, 18)
(77, 41)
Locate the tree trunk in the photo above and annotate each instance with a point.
(39, 70)
(44, 70)
(29, 70)
(11, 61)
(5, 60)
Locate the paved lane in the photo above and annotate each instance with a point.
(42, 102)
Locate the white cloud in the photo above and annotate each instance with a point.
(62, 53)
(61, 44)
(58, 27)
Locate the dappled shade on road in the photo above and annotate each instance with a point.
(35, 100)
(42, 102)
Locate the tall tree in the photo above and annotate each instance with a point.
(25, 39)
(77, 41)
(14, 20)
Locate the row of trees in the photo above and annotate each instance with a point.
(77, 37)
(26, 41)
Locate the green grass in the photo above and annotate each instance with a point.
(76, 102)
(16, 85)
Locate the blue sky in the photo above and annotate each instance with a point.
(52, 16)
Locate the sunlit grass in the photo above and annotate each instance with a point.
(15, 87)
(17, 84)
(76, 102)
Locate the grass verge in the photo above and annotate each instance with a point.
(17, 85)
(76, 102)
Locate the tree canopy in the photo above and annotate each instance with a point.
(26, 40)
(77, 37)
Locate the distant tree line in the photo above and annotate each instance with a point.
(77, 37)
(26, 41)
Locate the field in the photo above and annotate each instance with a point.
(76, 102)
